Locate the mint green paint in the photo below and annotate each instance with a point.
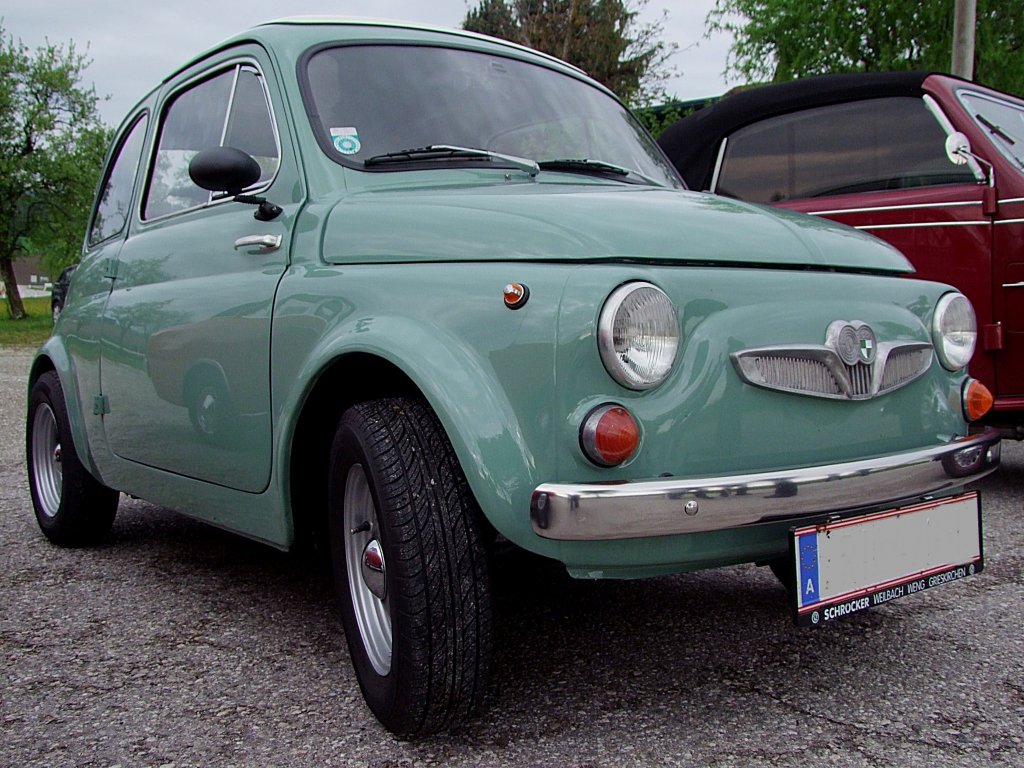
(409, 267)
(512, 387)
(557, 217)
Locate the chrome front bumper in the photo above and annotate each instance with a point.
(664, 507)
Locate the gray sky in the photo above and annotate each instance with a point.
(134, 43)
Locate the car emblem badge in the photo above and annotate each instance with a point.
(854, 342)
(867, 344)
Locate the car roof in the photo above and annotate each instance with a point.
(350, 21)
(352, 26)
(692, 142)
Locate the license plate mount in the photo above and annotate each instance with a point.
(845, 565)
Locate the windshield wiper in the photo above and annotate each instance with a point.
(448, 152)
(995, 130)
(999, 133)
(596, 167)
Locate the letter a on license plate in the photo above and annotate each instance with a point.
(846, 565)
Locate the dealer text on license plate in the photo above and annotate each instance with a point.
(847, 565)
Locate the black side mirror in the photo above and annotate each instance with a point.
(224, 169)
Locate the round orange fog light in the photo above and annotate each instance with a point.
(977, 399)
(609, 435)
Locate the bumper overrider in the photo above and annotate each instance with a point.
(665, 507)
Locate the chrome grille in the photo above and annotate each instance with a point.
(818, 371)
(860, 379)
(795, 374)
(903, 365)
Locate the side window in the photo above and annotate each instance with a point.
(250, 125)
(116, 196)
(1002, 120)
(863, 146)
(230, 109)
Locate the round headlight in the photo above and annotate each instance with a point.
(638, 335)
(954, 331)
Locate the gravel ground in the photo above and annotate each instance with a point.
(179, 645)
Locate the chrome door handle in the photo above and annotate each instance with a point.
(1013, 285)
(264, 242)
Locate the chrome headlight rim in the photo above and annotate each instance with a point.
(954, 347)
(615, 357)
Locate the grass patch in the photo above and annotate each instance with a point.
(33, 330)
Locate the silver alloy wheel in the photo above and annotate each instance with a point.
(47, 473)
(361, 531)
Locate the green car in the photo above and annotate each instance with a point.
(414, 295)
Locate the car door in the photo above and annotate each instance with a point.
(995, 124)
(82, 309)
(186, 339)
(879, 165)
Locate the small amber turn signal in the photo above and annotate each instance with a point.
(977, 399)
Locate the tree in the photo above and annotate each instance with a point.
(51, 149)
(658, 117)
(780, 40)
(601, 37)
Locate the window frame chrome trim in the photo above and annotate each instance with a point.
(995, 99)
(947, 125)
(117, 146)
(718, 165)
(236, 64)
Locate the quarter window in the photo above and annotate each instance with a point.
(1002, 121)
(229, 109)
(864, 146)
(116, 197)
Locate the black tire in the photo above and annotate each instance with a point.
(420, 643)
(72, 508)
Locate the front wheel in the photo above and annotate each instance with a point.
(409, 567)
(72, 508)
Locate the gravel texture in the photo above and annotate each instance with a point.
(179, 645)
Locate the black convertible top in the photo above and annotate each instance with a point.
(692, 142)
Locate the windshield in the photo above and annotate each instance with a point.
(367, 101)
(1002, 120)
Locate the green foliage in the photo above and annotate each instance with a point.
(601, 37)
(31, 331)
(781, 40)
(51, 149)
(657, 118)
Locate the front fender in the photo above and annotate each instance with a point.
(474, 361)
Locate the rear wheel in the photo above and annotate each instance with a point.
(72, 508)
(409, 567)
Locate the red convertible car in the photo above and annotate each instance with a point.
(930, 163)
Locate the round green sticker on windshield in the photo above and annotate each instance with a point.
(346, 140)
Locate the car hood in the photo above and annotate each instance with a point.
(580, 222)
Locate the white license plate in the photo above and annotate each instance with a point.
(845, 566)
